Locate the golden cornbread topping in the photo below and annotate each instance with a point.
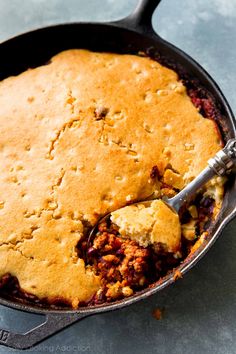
(79, 138)
(147, 225)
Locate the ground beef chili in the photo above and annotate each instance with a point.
(124, 266)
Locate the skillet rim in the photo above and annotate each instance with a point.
(122, 25)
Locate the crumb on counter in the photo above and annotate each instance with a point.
(158, 313)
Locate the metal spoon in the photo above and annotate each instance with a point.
(222, 164)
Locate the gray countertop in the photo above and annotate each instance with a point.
(200, 309)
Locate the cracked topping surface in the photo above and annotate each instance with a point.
(79, 138)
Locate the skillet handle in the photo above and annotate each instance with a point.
(141, 18)
(53, 323)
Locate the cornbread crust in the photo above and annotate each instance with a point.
(155, 223)
(64, 165)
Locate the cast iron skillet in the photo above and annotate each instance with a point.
(130, 35)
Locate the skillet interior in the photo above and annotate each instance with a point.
(36, 48)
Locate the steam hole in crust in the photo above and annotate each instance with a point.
(101, 112)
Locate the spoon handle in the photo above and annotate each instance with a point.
(220, 165)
